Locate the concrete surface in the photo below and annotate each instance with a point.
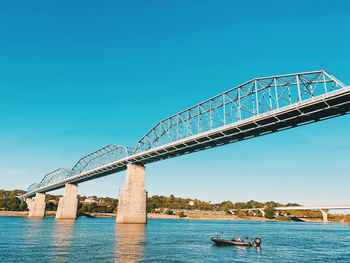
(68, 204)
(133, 198)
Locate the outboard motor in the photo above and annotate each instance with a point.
(257, 242)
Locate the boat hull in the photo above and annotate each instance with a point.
(232, 242)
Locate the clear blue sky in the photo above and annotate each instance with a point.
(78, 75)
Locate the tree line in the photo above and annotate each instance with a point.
(163, 204)
(10, 202)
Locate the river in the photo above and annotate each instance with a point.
(168, 240)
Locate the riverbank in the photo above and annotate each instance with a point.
(149, 215)
(161, 216)
(53, 214)
(14, 213)
(24, 213)
(208, 217)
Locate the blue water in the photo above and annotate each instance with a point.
(100, 240)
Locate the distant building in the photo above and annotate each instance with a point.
(191, 203)
(89, 200)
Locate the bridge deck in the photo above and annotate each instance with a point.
(323, 207)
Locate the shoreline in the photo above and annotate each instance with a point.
(229, 217)
(208, 217)
(161, 216)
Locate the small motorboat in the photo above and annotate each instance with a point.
(235, 242)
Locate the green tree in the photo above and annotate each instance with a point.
(255, 204)
(241, 213)
(226, 206)
(50, 206)
(250, 213)
(269, 212)
(169, 212)
(181, 214)
(23, 206)
(259, 214)
(92, 207)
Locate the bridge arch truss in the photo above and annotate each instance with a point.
(254, 108)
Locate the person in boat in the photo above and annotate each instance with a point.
(239, 239)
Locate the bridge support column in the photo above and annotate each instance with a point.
(324, 213)
(36, 205)
(68, 204)
(133, 198)
(262, 212)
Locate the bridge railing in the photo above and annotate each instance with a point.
(255, 97)
(105, 155)
(57, 175)
(33, 186)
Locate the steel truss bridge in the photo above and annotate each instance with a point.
(258, 107)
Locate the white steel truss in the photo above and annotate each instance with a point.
(255, 108)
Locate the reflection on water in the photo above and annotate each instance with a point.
(129, 242)
(62, 239)
(33, 233)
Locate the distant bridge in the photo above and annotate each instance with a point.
(258, 107)
(323, 209)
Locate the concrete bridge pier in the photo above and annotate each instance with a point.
(324, 213)
(68, 204)
(36, 205)
(133, 198)
(262, 212)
